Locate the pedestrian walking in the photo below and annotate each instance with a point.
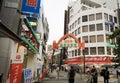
(71, 75)
(94, 75)
(106, 75)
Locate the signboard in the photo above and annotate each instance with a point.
(16, 68)
(27, 75)
(16, 73)
(69, 42)
(94, 60)
(31, 6)
(18, 58)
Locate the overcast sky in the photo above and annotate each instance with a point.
(54, 11)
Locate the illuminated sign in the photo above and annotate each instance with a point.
(30, 6)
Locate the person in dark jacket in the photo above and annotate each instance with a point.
(106, 75)
(94, 75)
(71, 75)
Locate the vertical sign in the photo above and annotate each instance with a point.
(16, 68)
(15, 73)
(27, 75)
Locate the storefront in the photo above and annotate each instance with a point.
(89, 60)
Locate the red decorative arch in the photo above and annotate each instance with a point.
(56, 45)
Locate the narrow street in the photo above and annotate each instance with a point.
(79, 78)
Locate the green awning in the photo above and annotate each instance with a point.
(31, 45)
(30, 27)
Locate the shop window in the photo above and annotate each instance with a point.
(85, 28)
(93, 51)
(101, 50)
(98, 16)
(92, 39)
(100, 38)
(99, 27)
(92, 27)
(91, 17)
(84, 18)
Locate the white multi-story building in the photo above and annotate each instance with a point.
(92, 22)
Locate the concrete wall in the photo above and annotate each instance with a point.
(6, 51)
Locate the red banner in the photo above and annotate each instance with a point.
(96, 59)
(16, 73)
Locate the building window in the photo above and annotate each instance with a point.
(72, 25)
(75, 32)
(115, 19)
(109, 50)
(84, 18)
(86, 52)
(93, 50)
(75, 52)
(91, 17)
(79, 20)
(85, 28)
(79, 52)
(106, 17)
(79, 30)
(106, 27)
(98, 16)
(110, 18)
(107, 38)
(92, 27)
(100, 38)
(1, 1)
(111, 28)
(75, 23)
(92, 39)
(85, 38)
(79, 39)
(101, 50)
(99, 27)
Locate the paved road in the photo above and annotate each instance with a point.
(52, 78)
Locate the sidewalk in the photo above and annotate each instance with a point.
(52, 78)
